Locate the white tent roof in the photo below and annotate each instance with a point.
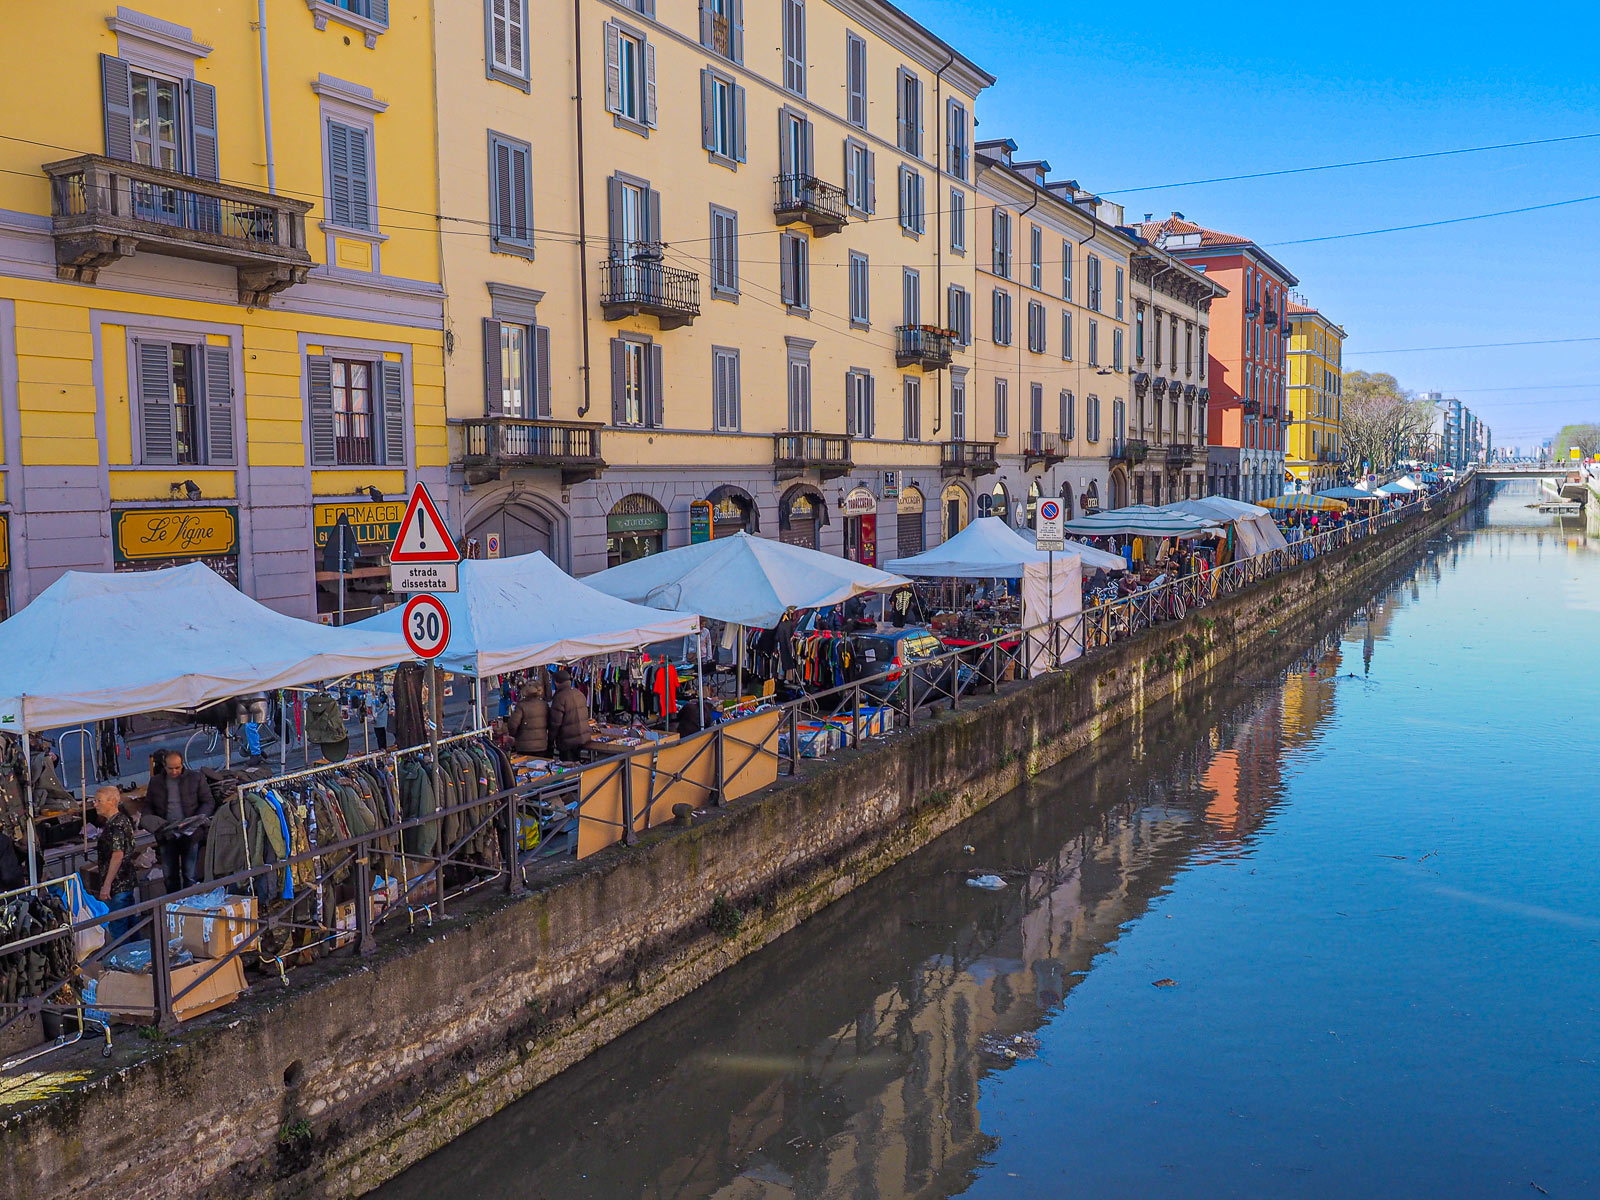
(987, 548)
(747, 580)
(1219, 508)
(1253, 525)
(1093, 559)
(1141, 520)
(515, 613)
(95, 645)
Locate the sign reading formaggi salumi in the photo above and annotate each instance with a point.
(154, 533)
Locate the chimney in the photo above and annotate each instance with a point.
(1178, 215)
(1148, 217)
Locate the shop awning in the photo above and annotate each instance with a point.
(748, 580)
(1347, 494)
(1302, 502)
(1253, 525)
(1400, 487)
(1142, 520)
(93, 646)
(521, 612)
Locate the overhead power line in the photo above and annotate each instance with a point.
(1480, 346)
(1505, 212)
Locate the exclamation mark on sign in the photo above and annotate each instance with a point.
(422, 528)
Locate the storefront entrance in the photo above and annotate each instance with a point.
(733, 510)
(519, 528)
(909, 538)
(957, 509)
(861, 527)
(144, 539)
(365, 575)
(801, 513)
(636, 527)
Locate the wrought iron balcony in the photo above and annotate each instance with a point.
(492, 445)
(1271, 318)
(1132, 451)
(807, 199)
(961, 457)
(103, 209)
(826, 453)
(924, 346)
(1040, 449)
(643, 284)
(1180, 454)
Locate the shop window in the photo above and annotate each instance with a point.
(636, 527)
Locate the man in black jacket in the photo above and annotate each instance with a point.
(182, 800)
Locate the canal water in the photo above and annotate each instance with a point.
(1331, 930)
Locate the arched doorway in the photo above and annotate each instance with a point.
(510, 528)
(1066, 499)
(801, 513)
(1091, 502)
(733, 510)
(861, 527)
(1119, 488)
(957, 507)
(1034, 493)
(636, 527)
(1000, 503)
(909, 537)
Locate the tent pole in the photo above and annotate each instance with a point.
(700, 670)
(27, 784)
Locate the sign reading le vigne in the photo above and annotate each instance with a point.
(154, 533)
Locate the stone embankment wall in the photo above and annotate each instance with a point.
(343, 1080)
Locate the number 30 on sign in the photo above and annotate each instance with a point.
(427, 626)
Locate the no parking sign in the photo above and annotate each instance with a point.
(1049, 534)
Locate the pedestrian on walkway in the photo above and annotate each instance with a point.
(378, 705)
(118, 879)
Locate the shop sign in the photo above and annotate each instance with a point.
(891, 484)
(699, 521)
(636, 523)
(860, 503)
(5, 542)
(374, 524)
(910, 501)
(141, 534)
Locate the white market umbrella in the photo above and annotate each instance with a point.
(1253, 525)
(1142, 520)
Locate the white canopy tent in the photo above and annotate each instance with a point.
(521, 612)
(93, 646)
(750, 581)
(987, 548)
(1254, 528)
(1143, 520)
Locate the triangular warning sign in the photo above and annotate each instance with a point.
(423, 537)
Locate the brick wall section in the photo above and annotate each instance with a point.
(349, 1077)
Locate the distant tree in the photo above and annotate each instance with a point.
(1585, 437)
(1382, 421)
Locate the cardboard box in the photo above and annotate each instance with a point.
(123, 993)
(213, 932)
(344, 924)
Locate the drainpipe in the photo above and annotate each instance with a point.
(583, 224)
(266, 94)
(938, 226)
(1016, 238)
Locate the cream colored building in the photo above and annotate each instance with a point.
(713, 263)
(1051, 372)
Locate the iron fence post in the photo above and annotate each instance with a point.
(160, 968)
(365, 943)
(794, 740)
(628, 837)
(855, 715)
(513, 852)
(911, 695)
(720, 758)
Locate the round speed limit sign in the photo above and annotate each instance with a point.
(427, 626)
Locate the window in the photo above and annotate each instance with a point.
(799, 385)
(1002, 407)
(721, 26)
(860, 170)
(794, 46)
(725, 388)
(1119, 302)
(858, 398)
(1188, 349)
(860, 291)
(1069, 416)
(1092, 267)
(912, 217)
(185, 403)
(349, 176)
(630, 78)
(795, 267)
(1094, 343)
(910, 297)
(158, 125)
(1158, 338)
(1202, 354)
(1036, 408)
(1066, 270)
(1174, 355)
(722, 117)
(958, 305)
(912, 390)
(1036, 336)
(510, 195)
(855, 63)
(724, 253)
(1116, 348)
(1138, 333)
(506, 32)
(908, 113)
(1002, 317)
(516, 356)
(958, 409)
(1066, 335)
(1036, 257)
(1091, 419)
(958, 221)
(353, 431)
(955, 136)
(1002, 243)
(796, 138)
(636, 382)
(357, 410)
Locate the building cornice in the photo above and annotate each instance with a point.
(921, 43)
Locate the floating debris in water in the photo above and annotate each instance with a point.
(1018, 1047)
(990, 883)
(1165, 983)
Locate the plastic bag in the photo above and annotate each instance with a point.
(989, 883)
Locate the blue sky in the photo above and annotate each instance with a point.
(1156, 93)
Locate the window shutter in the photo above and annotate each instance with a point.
(116, 87)
(902, 134)
(653, 400)
(850, 178)
(493, 378)
(856, 74)
(786, 284)
(809, 167)
(708, 106)
(738, 124)
(218, 375)
(619, 372)
(392, 376)
(614, 214)
(338, 173)
(706, 38)
(360, 199)
(653, 215)
(872, 406)
(736, 32)
(613, 68)
(522, 195)
(541, 370)
(786, 163)
(203, 128)
(319, 391)
(950, 137)
(872, 181)
(158, 430)
(916, 117)
(650, 84)
(850, 385)
(379, 12)
(517, 36)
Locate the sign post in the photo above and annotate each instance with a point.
(424, 557)
(426, 625)
(1049, 536)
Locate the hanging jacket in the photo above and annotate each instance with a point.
(417, 800)
(228, 844)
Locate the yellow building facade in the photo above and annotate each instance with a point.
(220, 296)
(699, 266)
(1315, 452)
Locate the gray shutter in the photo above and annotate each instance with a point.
(650, 84)
(116, 88)
(360, 195)
(158, 423)
(809, 167)
(613, 68)
(786, 281)
(738, 124)
(707, 36)
(522, 194)
(917, 118)
(499, 188)
(654, 398)
(393, 376)
(856, 80)
(619, 368)
(218, 375)
(708, 108)
(786, 163)
(850, 404)
(379, 12)
(653, 216)
(203, 129)
(902, 131)
(950, 136)
(849, 174)
(493, 377)
(872, 406)
(338, 173)
(614, 214)
(541, 370)
(872, 181)
(736, 31)
(319, 391)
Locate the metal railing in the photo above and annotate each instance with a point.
(1130, 450)
(924, 346)
(1180, 454)
(961, 455)
(515, 439)
(817, 203)
(805, 451)
(647, 285)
